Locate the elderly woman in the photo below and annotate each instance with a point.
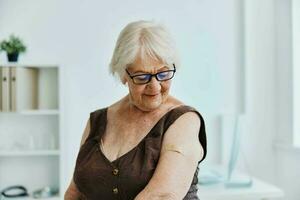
(148, 145)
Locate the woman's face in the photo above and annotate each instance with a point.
(149, 96)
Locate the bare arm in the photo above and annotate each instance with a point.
(178, 160)
(72, 193)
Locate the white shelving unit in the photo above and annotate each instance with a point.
(34, 112)
(30, 153)
(30, 139)
(30, 198)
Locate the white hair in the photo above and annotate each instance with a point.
(146, 39)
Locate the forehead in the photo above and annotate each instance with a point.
(146, 65)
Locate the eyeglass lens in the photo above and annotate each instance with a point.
(161, 76)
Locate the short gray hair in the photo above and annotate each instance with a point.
(146, 39)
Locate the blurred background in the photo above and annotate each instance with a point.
(238, 58)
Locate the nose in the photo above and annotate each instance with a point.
(154, 84)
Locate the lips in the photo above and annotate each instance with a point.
(151, 95)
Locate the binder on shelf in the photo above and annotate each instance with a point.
(24, 87)
(0, 88)
(48, 89)
(13, 88)
(5, 89)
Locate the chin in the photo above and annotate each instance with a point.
(152, 105)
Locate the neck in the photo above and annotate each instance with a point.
(135, 110)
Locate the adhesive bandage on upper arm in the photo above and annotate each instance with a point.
(172, 147)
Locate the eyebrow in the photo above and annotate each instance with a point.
(163, 67)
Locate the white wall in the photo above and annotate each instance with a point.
(80, 37)
(288, 157)
(268, 53)
(295, 13)
(260, 87)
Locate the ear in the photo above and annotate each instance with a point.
(124, 80)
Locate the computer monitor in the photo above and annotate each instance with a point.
(232, 133)
(233, 179)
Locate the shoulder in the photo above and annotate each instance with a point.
(112, 107)
(174, 101)
(184, 124)
(97, 116)
(98, 113)
(185, 114)
(103, 114)
(179, 108)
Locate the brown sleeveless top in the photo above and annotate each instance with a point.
(124, 178)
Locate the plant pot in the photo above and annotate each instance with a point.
(12, 57)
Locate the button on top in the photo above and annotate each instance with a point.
(115, 172)
(115, 191)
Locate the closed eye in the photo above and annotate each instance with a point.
(142, 77)
(163, 75)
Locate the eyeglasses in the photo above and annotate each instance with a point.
(141, 79)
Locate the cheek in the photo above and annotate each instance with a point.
(136, 91)
(165, 87)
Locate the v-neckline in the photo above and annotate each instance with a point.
(136, 146)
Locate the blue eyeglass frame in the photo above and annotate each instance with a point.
(151, 75)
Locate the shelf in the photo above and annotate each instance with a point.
(30, 153)
(31, 198)
(34, 112)
(39, 112)
(14, 64)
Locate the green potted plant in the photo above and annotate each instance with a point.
(13, 47)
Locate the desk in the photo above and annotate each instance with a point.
(259, 190)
